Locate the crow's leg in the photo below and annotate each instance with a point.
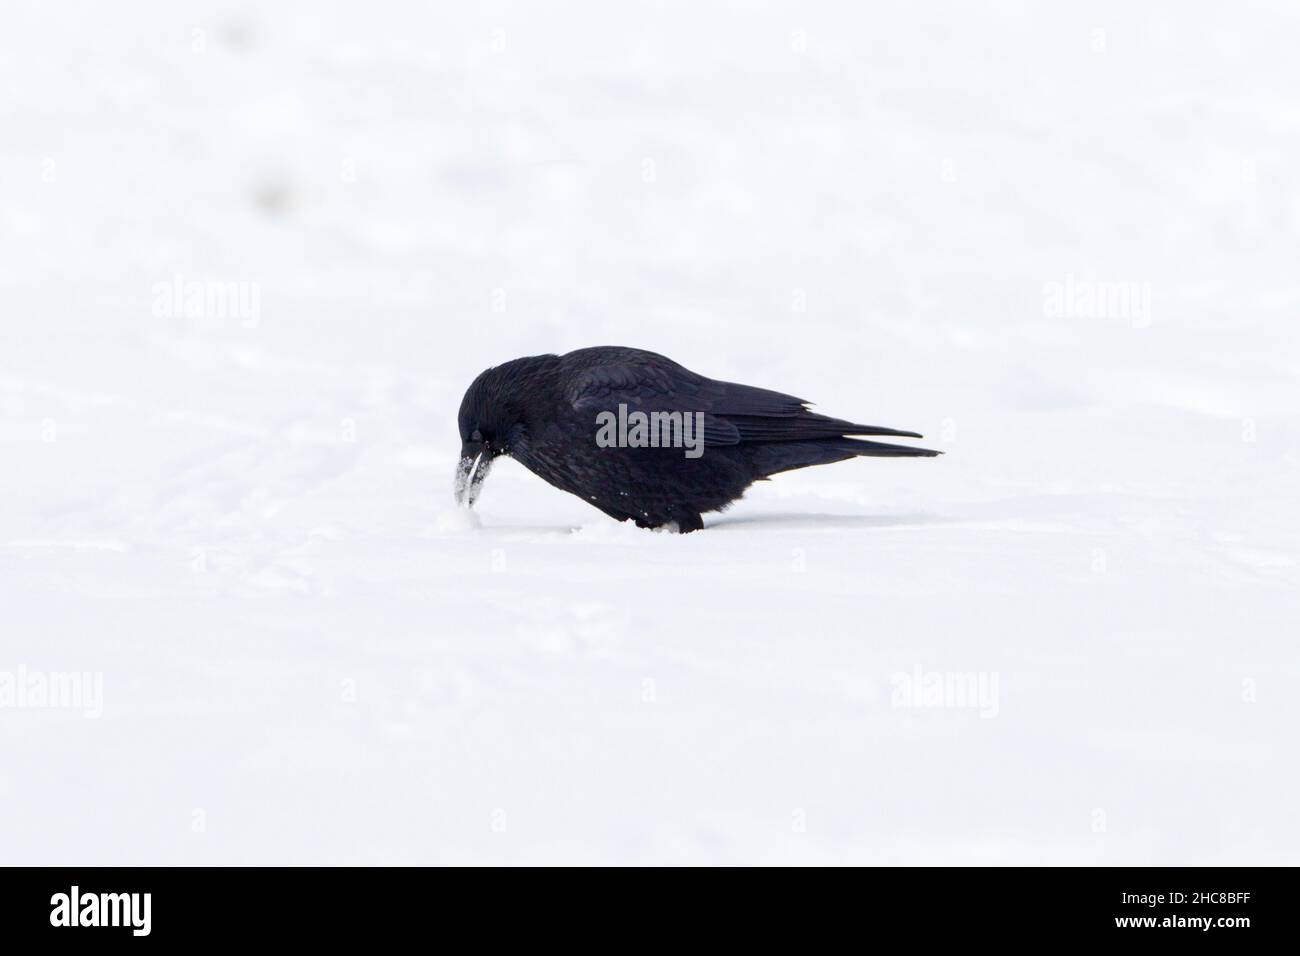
(684, 521)
(688, 521)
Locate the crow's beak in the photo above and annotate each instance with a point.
(475, 463)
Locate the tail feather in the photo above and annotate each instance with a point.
(807, 426)
(879, 449)
(770, 459)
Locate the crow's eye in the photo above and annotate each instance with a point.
(477, 436)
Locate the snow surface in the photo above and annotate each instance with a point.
(244, 523)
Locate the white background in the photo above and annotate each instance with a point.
(309, 658)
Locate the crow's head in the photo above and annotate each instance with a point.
(491, 422)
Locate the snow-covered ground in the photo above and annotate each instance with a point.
(1062, 243)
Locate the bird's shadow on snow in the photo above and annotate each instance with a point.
(754, 522)
(821, 520)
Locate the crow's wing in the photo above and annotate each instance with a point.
(733, 413)
(646, 388)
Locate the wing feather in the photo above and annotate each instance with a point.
(733, 413)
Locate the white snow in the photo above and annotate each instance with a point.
(240, 514)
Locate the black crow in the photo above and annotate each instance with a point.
(642, 438)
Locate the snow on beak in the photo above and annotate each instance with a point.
(475, 463)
